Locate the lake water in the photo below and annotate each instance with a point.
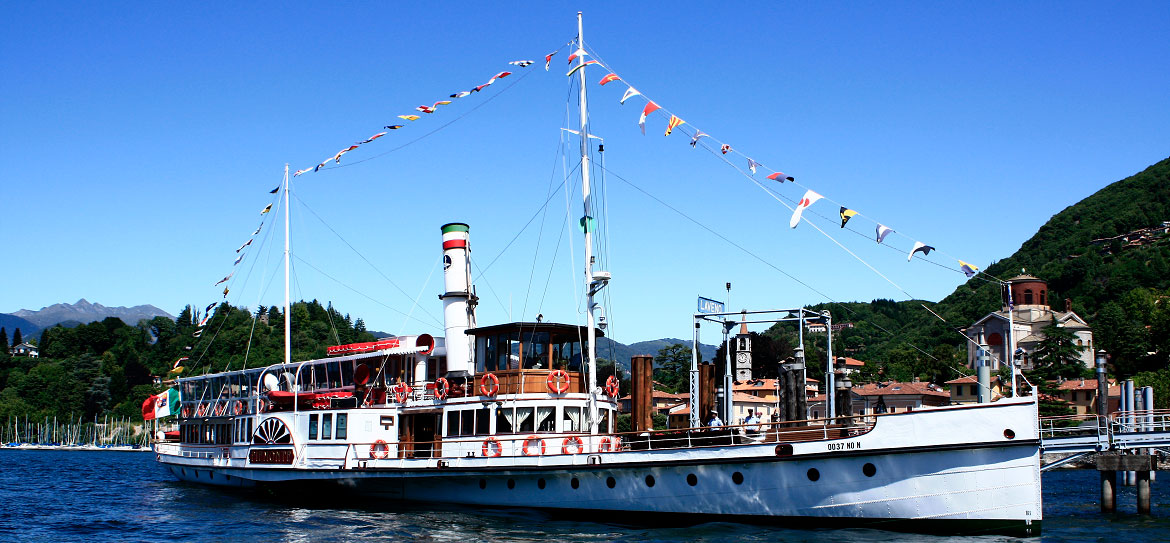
(118, 496)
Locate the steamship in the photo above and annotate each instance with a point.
(515, 415)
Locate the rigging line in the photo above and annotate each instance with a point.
(693, 130)
(440, 127)
(514, 238)
(756, 256)
(360, 255)
(552, 266)
(358, 292)
(543, 215)
(565, 173)
(332, 327)
(421, 289)
(492, 290)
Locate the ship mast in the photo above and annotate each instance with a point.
(593, 283)
(287, 314)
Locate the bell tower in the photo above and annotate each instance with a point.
(743, 352)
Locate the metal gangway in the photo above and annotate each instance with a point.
(1083, 435)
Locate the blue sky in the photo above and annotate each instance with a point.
(139, 143)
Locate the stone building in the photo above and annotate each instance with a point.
(1030, 313)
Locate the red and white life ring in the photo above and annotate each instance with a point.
(530, 439)
(202, 410)
(491, 447)
(401, 392)
(442, 388)
(608, 445)
(220, 408)
(238, 407)
(572, 445)
(558, 381)
(612, 385)
(489, 389)
(185, 411)
(379, 449)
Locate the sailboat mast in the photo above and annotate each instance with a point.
(287, 314)
(587, 225)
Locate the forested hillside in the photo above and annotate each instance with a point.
(106, 367)
(1109, 254)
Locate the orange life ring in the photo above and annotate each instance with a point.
(489, 390)
(527, 440)
(262, 405)
(612, 386)
(606, 445)
(575, 442)
(220, 408)
(558, 381)
(379, 449)
(487, 447)
(442, 388)
(185, 411)
(202, 410)
(238, 407)
(401, 392)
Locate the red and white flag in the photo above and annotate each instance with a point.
(651, 107)
(809, 199)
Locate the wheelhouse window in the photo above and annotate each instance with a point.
(313, 426)
(342, 429)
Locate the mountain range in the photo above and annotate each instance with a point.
(83, 312)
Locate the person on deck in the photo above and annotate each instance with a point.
(714, 421)
(751, 422)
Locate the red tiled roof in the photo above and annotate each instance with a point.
(743, 397)
(1081, 384)
(853, 362)
(970, 379)
(894, 388)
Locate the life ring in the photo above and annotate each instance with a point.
(612, 386)
(379, 449)
(529, 439)
(488, 445)
(202, 410)
(238, 407)
(401, 392)
(607, 445)
(485, 388)
(575, 443)
(558, 381)
(220, 408)
(262, 406)
(185, 411)
(442, 388)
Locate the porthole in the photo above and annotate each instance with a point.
(869, 469)
(1009, 433)
(540, 483)
(784, 449)
(482, 484)
(737, 478)
(610, 482)
(692, 480)
(813, 474)
(575, 483)
(650, 480)
(511, 484)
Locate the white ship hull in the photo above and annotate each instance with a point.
(951, 470)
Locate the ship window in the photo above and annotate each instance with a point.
(604, 426)
(545, 421)
(504, 418)
(572, 420)
(524, 420)
(327, 426)
(535, 347)
(347, 373)
(320, 376)
(452, 423)
(481, 421)
(467, 423)
(313, 426)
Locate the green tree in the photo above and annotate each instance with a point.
(1058, 355)
(673, 364)
(4, 339)
(16, 339)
